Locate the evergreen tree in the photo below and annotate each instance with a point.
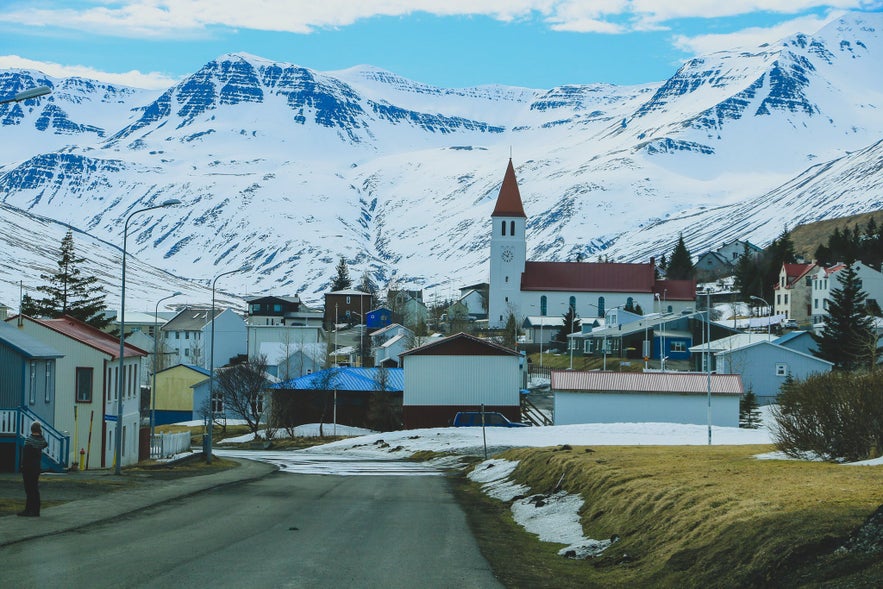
(749, 412)
(680, 267)
(510, 332)
(848, 327)
(570, 323)
(69, 292)
(342, 281)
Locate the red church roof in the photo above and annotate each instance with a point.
(587, 276)
(509, 199)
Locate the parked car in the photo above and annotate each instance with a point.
(791, 324)
(491, 419)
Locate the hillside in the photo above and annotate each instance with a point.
(808, 237)
(285, 168)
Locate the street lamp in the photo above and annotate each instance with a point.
(155, 357)
(121, 381)
(211, 388)
(28, 94)
(769, 315)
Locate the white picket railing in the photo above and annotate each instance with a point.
(167, 445)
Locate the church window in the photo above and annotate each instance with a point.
(544, 304)
(600, 306)
(512, 228)
(573, 304)
(504, 227)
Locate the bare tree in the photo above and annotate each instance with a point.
(241, 388)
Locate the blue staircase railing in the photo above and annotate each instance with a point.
(56, 456)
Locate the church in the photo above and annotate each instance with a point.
(527, 288)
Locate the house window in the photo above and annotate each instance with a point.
(186, 335)
(84, 384)
(778, 299)
(277, 308)
(786, 299)
(186, 352)
(781, 369)
(544, 303)
(600, 306)
(177, 335)
(32, 396)
(48, 392)
(123, 445)
(572, 303)
(217, 404)
(678, 347)
(348, 300)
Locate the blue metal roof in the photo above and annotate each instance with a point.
(347, 379)
(26, 345)
(788, 337)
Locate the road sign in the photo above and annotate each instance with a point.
(110, 417)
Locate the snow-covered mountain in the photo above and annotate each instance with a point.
(285, 168)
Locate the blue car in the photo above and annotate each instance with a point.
(491, 419)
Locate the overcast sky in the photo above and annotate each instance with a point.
(450, 43)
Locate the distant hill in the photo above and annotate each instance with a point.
(808, 237)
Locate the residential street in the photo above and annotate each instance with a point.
(284, 530)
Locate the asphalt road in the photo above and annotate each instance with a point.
(285, 530)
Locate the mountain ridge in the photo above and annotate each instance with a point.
(274, 162)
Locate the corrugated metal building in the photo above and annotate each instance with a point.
(459, 373)
(629, 397)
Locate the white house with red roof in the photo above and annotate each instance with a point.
(793, 291)
(530, 288)
(87, 385)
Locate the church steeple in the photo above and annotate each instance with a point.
(509, 199)
(508, 252)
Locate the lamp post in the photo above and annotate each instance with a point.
(211, 367)
(155, 358)
(121, 381)
(28, 94)
(769, 314)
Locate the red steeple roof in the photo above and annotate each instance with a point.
(509, 199)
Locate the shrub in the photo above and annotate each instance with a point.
(838, 416)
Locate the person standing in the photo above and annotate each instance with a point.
(31, 459)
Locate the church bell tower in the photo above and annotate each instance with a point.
(508, 252)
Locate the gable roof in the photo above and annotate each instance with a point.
(26, 345)
(509, 198)
(646, 382)
(794, 272)
(461, 344)
(191, 319)
(588, 277)
(193, 367)
(89, 336)
(346, 379)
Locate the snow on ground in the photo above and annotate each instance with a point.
(554, 517)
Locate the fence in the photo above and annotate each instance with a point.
(167, 445)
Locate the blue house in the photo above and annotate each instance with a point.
(27, 394)
(378, 318)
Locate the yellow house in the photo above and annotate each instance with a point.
(174, 393)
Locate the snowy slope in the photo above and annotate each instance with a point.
(287, 168)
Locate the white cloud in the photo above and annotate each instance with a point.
(750, 37)
(133, 78)
(179, 18)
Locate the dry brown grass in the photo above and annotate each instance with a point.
(704, 516)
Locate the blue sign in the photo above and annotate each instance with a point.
(110, 417)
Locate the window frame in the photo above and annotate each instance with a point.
(80, 371)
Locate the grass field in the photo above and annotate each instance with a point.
(689, 517)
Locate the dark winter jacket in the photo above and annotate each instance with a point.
(31, 454)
